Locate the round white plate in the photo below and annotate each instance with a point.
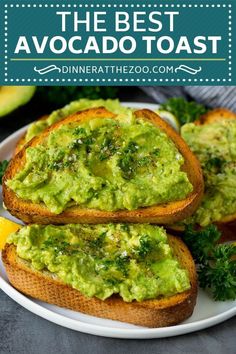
(206, 313)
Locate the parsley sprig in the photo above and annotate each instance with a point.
(184, 111)
(216, 262)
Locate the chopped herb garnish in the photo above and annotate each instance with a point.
(145, 246)
(215, 164)
(99, 241)
(79, 131)
(131, 148)
(127, 162)
(121, 262)
(77, 143)
(156, 152)
(108, 148)
(58, 246)
(88, 140)
(143, 161)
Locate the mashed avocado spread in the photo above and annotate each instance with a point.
(134, 261)
(215, 146)
(40, 125)
(105, 164)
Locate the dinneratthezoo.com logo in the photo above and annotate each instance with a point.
(118, 69)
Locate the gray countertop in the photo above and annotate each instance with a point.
(22, 332)
(26, 333)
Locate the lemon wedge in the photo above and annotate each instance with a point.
(169, 118)
(6, 228)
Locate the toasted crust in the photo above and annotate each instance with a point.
(215, 115)
(162, 214)
(150, 313)
(20, 144)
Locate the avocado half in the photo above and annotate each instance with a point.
(12, 97)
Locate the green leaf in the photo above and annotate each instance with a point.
(184, 111)
(216, 262)
(3, 167)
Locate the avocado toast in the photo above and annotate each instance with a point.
(131, 273)
(159, 182)
(212, 139)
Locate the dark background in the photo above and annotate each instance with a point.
(39, 106)
(22, 332)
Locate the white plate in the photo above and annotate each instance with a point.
(207, 312)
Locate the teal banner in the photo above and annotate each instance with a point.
(117, 42)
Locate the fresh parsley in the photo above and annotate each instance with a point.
(108, 148)
(3, 167)
(145, 246)
(56, 245)
(99, 241)
(121, 263)
(184, 111)
(216, 263)
(127, 161)
(79, 131)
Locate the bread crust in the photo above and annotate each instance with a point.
(160, 214)
(215, 115)
(149, 313)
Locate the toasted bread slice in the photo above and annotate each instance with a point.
(227, 225)
(215, 115)
(165, 311)
(208, 118)
(161, 214)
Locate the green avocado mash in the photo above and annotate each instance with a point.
(106, 164)
(40, 125)
(215, 146)
(134, 261)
